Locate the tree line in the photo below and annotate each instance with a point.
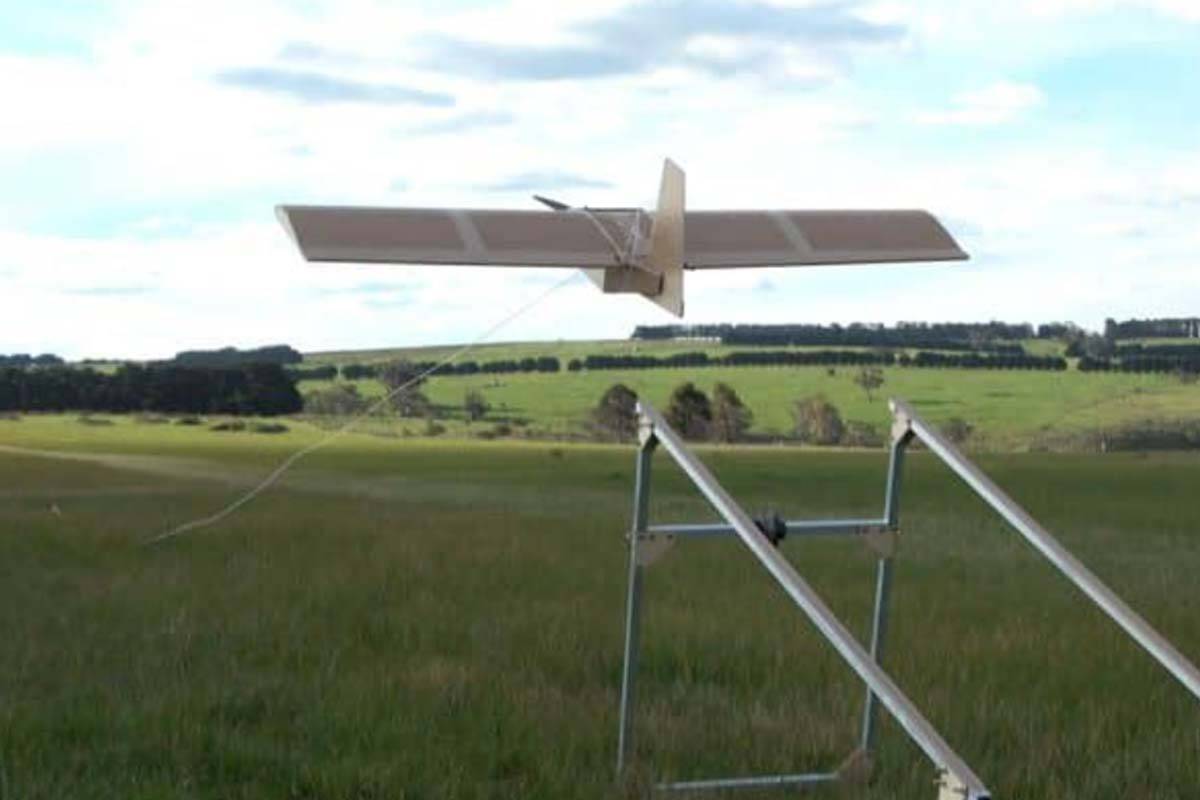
(1163, 364)
(233, 357)
(746, 358)
(257, 389)
(929, 335)
(498, 367)
(1172, 350)
(22, 360)
(691, 412)
(725, 417)
(938, 335)
(1165, 328)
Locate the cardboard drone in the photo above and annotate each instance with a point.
(621, 249)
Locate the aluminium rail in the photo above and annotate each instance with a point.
(1112, 605)
(648, 542)
(957, 780)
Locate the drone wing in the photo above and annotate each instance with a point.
(454, 236)
(621, 250)
(720, 239)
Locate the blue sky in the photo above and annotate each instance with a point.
(144, 148)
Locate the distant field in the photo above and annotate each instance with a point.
(425, 618)
(565, 350)
(1009, 409)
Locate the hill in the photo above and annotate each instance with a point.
(1008, 409)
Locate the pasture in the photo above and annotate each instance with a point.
(1010, 410)
(417, 618)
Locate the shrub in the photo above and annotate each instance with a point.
(689, 412)
(956, 429)
(869, 379)
(1153, 435)
(615, 416)
(229, 425)
(861, 434)
(408, 401)
(342, 399)
(730, 416)
(269, 427)
(474, 405)
(817, 420)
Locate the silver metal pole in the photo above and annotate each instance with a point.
(758, 781)
(633, 600)
(811, 604)
(883, 585)
(1048, 546)
(797, 527)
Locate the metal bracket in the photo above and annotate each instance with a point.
(902, 431)
(884, 542)
(652, 546)
(857, 767)
(645, 433)
(951, 788)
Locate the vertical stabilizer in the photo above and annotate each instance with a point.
(666, 239)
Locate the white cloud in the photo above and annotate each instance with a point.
(996, 104)
(1182, 9)
(162, 135)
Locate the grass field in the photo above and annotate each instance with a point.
(566, 349)
(1010, 410)
(415, 618)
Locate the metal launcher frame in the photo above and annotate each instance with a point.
(648, 542)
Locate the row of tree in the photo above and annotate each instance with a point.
(746, 358)
(233, 357)
(498, 367)
(22, 360)
(939, 335)
(258, 389)
(726, 418)
(1163, 364)
(722, 418)
(925, 358)
(1165, 328)
(325, 373)
(934, 335)
(1173, 350)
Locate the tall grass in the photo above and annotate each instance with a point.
(409, 619)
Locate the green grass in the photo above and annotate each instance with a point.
(566, 349)
(427, 619)
(1009, 409)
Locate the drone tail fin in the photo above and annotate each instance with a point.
(666, 238)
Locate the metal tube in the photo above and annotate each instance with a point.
(803, 527)
(755, 781)
(883, 585)
(891, 503)
(879, 620)
(633, 601)
(1048, 546)
(803, 595)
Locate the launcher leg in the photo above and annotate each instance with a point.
(901, 436)
(633, 601)
(883, 587)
